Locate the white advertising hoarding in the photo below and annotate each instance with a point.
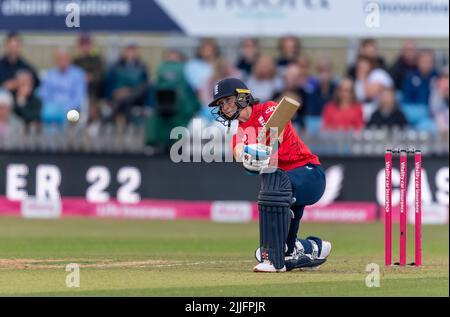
(337, 18)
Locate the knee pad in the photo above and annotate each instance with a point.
(274, 203)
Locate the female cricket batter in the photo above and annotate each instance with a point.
(297, 181)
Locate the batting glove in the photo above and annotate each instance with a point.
(256, 157)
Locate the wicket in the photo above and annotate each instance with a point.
(403, 205)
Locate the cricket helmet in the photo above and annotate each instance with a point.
(226, 88)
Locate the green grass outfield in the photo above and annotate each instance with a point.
(184, 258)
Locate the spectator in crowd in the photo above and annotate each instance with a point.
(324, 88)
(12, 62)
(388, 114)
(128, 84)
(175, 101)
(344, 112)
(370, 82)
(297, 78)
(405, 62)
(306, 83)
(223, 68)
(27, 105)
(417, 84)
(264, 81)
(92, 63)
(289, 48)
(250, 52)
(201, 68)
(63, 88)
(8, 121)
(367, 48)
(299, 118)
(439, 101)
(291, 88)
(171, 55)
(291, 79)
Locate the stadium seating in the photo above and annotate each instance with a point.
(418, 116)
(313, 124)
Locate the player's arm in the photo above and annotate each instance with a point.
(254, 157)
(257, 151)
(280, 137)
(237, 152)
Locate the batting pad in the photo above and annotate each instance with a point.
(274, 201)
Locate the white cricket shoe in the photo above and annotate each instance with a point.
(316, 257)
(267, 267)
(308, 262)
(326, 249)
(324, 252)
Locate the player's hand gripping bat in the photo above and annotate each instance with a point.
(256, 157)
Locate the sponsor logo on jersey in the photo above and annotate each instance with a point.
(270, 109)
(261, 120)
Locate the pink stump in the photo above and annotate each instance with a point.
(403, 182)
(418, 207)
(388, 208)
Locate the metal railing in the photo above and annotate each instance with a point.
(109, 138)
(373, 142)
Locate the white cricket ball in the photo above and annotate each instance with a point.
(73, 116)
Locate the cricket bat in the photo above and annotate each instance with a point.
(286, 109)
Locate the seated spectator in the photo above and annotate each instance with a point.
(370, 82)
(8, 122)
(299, 118)
(388, 114)
(171, 55)
(176, 102)
(307, 82)
(223, 68)
(324, 88)
(367, 48)
(250, 52)
(417, 83)
(405, 62)
(291, 79)
(92, 63)
(297, 78)
(12, 62)
(201, 68)
(63, 88)
(128, 84)
(264, 81)
(291, 88)
(439, 102)
(27, 105)
(344, 112)
(289, 48)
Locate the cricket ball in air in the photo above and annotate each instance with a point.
(73, 116)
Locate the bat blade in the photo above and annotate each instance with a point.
(286, 109)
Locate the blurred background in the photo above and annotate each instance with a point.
(371, 75)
